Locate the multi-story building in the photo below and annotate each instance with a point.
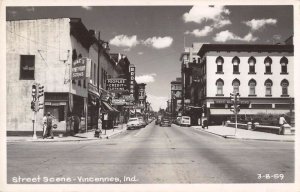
(176, 96)
(43, 51)
(261, 74)
(142, 97)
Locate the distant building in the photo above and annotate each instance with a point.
(176, 96)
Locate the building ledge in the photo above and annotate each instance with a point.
(268, 73)
(284, 73)
(252, 73)
(219, 94)
(236, 73)
(252, 95)
(268, 95)
(219, 72)
(284, 95)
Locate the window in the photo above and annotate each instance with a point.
(220, 84)
(27, 67)
(284, 85)
(79, 83)
(236, 85)
(251, 62)
(236, 63)
(219, 62)
(268, 84)
(268, 63)
(252, 84)
(284, 62)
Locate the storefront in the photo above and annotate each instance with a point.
(93, 106)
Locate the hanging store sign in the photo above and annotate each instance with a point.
(93, 89)
(79, 68)
(116, 84)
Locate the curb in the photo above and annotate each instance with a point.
(66, 140)
(241, 138)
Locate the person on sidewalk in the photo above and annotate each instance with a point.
(49, 126)
(44, 126)
(282, 121)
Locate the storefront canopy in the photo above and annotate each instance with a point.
(247, 111)
(108, 108)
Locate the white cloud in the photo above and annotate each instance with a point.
(124, 41)
(140, 53)
(158, 42)
(224, 36)
(277, 37)
(257, 24)
(87, 7)
(221, 23)
(198, 14)
(157, 101)
(200, 33)
(148, 78)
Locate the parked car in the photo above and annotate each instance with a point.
(165, 122)
(133, 123)
(158, 120)
(185, 121)
(142, 122)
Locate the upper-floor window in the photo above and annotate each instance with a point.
(268, 64)
(283, 62)
(252, 85)
(220, 84)
(236, 63)
(220, 62)
(284, 85)
(27, 65)
(251, 62)
(268, 85)
(236, 85)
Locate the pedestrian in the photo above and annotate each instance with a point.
(49, 126)
(282, 121)
(44, 126)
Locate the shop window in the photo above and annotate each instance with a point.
(220, 84)
(27, 67)
(284, 86)
(236, 85)
(236, 63)
(220, 62)
(283, 63)
(252, 85)
(251, 62)
(268, 64)
(268, 85)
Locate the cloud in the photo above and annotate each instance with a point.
(124, 41)
(277, 37)
(200, 33)
(148, 78)
(198, 14)
(158, 42)
(87, 7)
(222, 23)
(258, 24)
(224, 36)
(140, 53)
(157, 101)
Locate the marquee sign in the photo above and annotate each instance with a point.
(132, 78)
(79, 68)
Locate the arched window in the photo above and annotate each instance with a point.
(219, 84)
(268, 84)
(219, 62)
(284, 85)
(236, 63)
(252, 85)
(251, 62)
(236, 85)
(283, 62)
(268, 63)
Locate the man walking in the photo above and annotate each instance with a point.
(49, 126)
(282, 121)
(44, 126)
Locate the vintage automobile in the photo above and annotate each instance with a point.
(133, 123)
(165, 122)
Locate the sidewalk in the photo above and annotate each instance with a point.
(228, 132)
(87, 136)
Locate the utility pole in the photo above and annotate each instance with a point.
(235, 108)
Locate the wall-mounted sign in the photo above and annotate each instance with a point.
(229, 102)
(132, 79)
(116, 84)
(79, 68)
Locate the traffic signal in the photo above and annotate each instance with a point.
(237, 97)
(32, 106)
(41, 91)
(41, 105)
(232, 108)
(34, 92)
(237, 109)
(232, 97)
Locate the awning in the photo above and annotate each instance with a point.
(107, 107)
(247, 111)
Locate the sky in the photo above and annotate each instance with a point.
(153, 37)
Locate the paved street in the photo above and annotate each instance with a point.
(153, 155)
